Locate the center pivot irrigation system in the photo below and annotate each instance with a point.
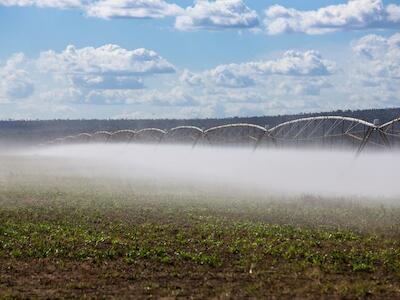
(322, 131)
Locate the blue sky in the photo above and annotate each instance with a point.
(184, 59)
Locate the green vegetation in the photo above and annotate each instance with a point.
(97, 240)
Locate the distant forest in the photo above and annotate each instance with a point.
(27, 132)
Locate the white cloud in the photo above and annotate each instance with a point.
(292, 82)
(302, 87)
(292, 63)
(177, 96)
(234, 96)
(233, 76)
(393, 12)
(60, 96)
(223, 76)
(108, 9)
(296, 63)
(15, 82)
(138, 9)
(353, 15)
(52, 102)
(107, 82)
(106, 67)
(111, 75)
(61, 4)
(217, 15)
(106, 60)
(204, 14)
(174, 97)
(381, 56)
(191, 78)
(228, 76)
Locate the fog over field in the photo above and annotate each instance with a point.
(279, 171)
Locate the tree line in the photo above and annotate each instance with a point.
(25, 132)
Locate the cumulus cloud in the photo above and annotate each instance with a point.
(138, 9)
(107, 59)
(204, 14)
(292, 63)
(302, 87)
(105, 67)
(232, 76)
(108, 9)
(393, 12)
(60, 96)
(15, 81)
(226, 76)
(234, 96)
(296, 63)
(111, 75)
(61, 4)
(381, 56)
(353, 15)
(291, 82)
(174, 97)
(229, 76)
(191, 78)
(217, 15)
(107, 82)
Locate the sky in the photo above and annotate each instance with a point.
(196, 59)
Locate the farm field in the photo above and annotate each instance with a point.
(199, 149)
(67, 235)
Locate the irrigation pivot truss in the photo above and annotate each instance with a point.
(322, 131)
